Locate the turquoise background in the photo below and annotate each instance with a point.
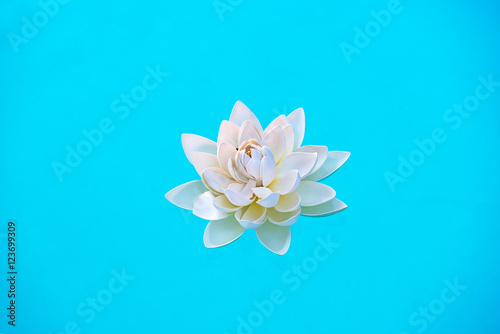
(395, 247)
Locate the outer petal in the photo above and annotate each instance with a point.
(298, 120)
(290, 139)
(194, 143)
(222, 204)
(278, 121)
(333, 162)
(287, 183)
(248, 131)
(314, 193)
(304, 162)
(289, 202)
(252, 216)
(225, 153)
(326, 209)
(228, 133)
(241, 113)
(186, 195)
(202, 161)
(322, 154)
(222, 232)
(275, 238)
(276, 141)
(215, 179)
(283, 218)
(204, 208)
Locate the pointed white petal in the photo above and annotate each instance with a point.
(276, 141)
(253, 168)
(248, 131)
(202, 161)
(237, 198)
(289, 202)
(225, 153)
(194, 143)
(267, 170)
(252, 216)
(326, 209)
(286, 184)
(247, 189)
(290, 139)
(222, 232)
(275, 238)
(215, 179)
(234, 172)
(204, 208)
(304, 162)
(222, 204)
(186, 195)
(270, 200)
(238, 187)
(228, 133)
(298, 120)
(241, 113)
(278, 121)
(314, 193)
(333, 162)
(283, 218)
(262, 192)
(322, 154)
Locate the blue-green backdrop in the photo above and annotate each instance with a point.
(99, 248)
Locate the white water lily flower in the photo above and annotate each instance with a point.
(257, 179)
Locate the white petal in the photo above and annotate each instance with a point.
(252, 216)
(262, 192)
(233, 171)
(268, 153)
(286, 184)
(276, 141)
(241, 168)
(278, 121)
(248, 131)
(228, 133)
(238, 187)
(270, 200)
(314, 193)
(222, 232)
(333, 162)
(283, 218)
(289, 202)
(256, 154)
(253, 168)
(194, 143)
(267, 170)
(204, 208)
(322, 154)
(224, 154)
(185, 196)
(237, 198)
(222, 204)
(215, 179)
(247, 189)
(304, 162)
(275, 238)
(202, 161)
(326, 209)
(241, 113)
(298, 120)
(290, 139)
